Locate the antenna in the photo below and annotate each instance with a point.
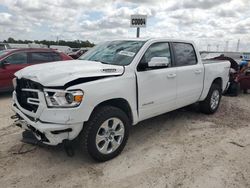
(226, 47)
(208, 47)
(218, 47)
(238, 45)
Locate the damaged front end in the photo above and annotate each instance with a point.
(30, 103)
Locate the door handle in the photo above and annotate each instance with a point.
(197, 71)
(171, 75)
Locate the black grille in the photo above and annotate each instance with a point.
(22, 96)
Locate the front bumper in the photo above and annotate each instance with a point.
(47, 132)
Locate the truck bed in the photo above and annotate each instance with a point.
(215, 69)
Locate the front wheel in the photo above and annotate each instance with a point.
(105, 135)
(212, 101)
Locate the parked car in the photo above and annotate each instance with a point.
(29, 45)
(244, 79)
(13, 60)
(74, 49)
(64, 49)
(113, 86)
(4, 46)
(78, 53)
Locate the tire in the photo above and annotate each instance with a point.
(245, 91)
(207, 106)
(100, 138)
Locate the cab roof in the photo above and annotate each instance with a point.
(153, 39)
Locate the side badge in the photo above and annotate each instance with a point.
(108, 70)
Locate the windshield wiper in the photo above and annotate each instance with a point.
(99, 61)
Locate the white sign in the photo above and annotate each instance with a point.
(138, 21)
(126, 53)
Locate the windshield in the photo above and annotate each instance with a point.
(114, 52)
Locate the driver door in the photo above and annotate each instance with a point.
(156, 86)
(10, 65)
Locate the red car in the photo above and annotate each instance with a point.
(78, 53)
(12, 60)
(244, 79)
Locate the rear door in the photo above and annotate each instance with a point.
(189, 74)
(156, 86)
(40, 57)
(56, 56)
(13, 63)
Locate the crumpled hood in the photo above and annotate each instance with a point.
(61, 72)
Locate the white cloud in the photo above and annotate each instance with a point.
(5, 19)
(205, 21)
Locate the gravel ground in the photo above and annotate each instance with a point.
(183, 148)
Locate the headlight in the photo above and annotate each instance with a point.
(63, 99)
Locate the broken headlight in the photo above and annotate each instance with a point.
(63, 99)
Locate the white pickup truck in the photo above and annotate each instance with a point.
(115, 85)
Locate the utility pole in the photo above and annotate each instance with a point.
(218, 47)
(208, 47)
(238, 46)
(226, 47)
(138, 32)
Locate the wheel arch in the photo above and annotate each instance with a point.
(120, 103)
(207, 86)
(219, 82)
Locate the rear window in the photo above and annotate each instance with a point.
(56, 56)
(184, 54)
(41, 57)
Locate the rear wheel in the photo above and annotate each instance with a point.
(212, 101)
(245, 91)
(105, 134)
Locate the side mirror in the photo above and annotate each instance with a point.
(4, 63)
(158, 62)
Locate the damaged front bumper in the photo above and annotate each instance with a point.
(46, 132)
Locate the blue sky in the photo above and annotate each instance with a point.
(207, 22)
(3, 8)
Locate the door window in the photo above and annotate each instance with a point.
(184, 54)
(17, 58)
(40, 57)
(155, 50)
(55, 56)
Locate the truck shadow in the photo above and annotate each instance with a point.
(145, 131)
(5, 95)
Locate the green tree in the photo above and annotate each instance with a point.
(72, 44)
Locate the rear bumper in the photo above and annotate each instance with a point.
(47, 132)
